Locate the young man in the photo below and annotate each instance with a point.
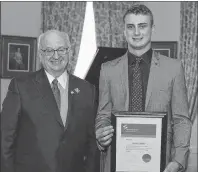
(144, 80)
(47, 126)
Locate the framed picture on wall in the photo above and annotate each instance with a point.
(18, 55)
(167, 48)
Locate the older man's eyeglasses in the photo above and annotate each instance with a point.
(61, 51)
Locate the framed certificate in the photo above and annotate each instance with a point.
(139, 142)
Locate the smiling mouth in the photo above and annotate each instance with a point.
(137, 39)
(56, 62)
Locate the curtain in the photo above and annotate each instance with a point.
(109, 23)
(188, 51)
(68, 17)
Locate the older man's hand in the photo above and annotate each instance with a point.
(172, 167)
(104, 135)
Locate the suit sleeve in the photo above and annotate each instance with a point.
(9, 120)
(103, 117)
(181, 122)
(91, 146)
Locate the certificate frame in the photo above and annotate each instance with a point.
(124, 115)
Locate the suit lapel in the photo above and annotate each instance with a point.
(71, 83)
(46, 93)
(123, 69)
(124, 80)
(120, 81)
(153, 72)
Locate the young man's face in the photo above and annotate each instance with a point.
(138, 31)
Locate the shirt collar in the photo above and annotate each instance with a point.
(147, 56)
(62, 80)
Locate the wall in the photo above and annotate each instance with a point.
(20, 19)
(166, 20)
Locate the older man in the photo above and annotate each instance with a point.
(47, 126)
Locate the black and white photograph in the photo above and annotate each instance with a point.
(98, 86)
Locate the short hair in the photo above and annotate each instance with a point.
(63, 34)
(139, 9)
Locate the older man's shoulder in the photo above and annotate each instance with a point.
(79, 81)
(26, 76)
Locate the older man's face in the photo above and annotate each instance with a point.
(54, 62)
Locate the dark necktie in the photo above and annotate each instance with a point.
(136, 102)
(56, 92)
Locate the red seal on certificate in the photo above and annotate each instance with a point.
(146, 158)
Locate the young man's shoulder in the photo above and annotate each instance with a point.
(168, 61)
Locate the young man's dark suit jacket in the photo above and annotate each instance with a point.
(34, 138)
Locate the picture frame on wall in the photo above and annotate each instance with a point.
(18, 55)
(167, 48)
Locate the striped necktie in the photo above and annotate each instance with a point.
(56, 92)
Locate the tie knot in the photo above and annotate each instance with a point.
(138, 60)
(55, 82)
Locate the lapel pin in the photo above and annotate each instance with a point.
(77, 90)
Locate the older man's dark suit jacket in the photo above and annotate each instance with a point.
(34, 138)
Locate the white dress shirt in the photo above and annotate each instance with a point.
(63, 87)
